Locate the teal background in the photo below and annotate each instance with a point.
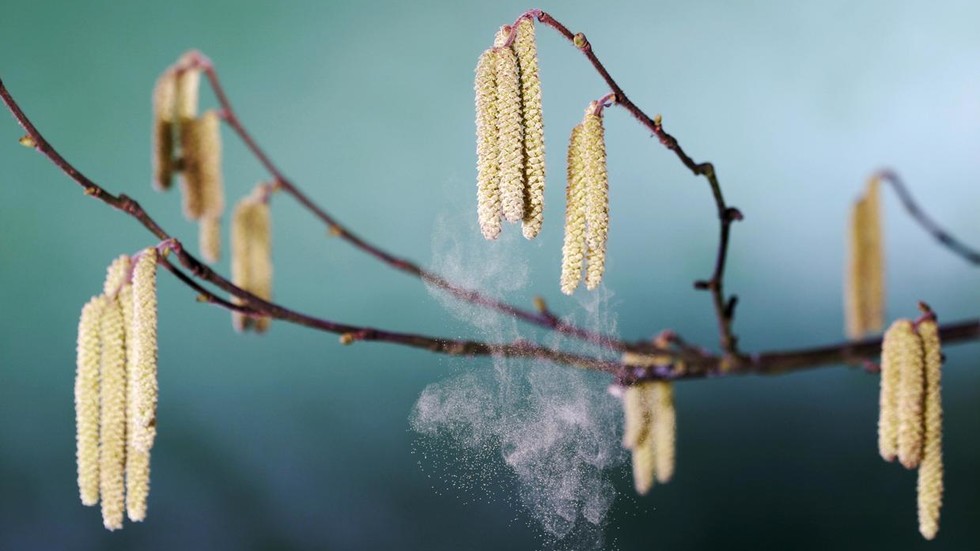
(291, 441)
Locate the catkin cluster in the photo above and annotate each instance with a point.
(910, 416)
(191, 145)
(587, 204)
(510, 133)
(251, 254)
(649, 427)
(865, 288)
(116, 390)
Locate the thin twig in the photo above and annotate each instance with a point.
(939, 234)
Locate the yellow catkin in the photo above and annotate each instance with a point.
(112, 449)
(930, 483)
(911, 386)
(201, 183)
(251, 264)
(888, 397)
(534, 170)
(137, 462)
(874, 265)
(644, 466)
(597, 193)
(143, 388)
(573, 248)
(164, 123)
(855, 289)
(488, 172)
(87, 414)
(188, 83)
(635, 418)
(663, 429)
(510, 131)
(117, 274)
(209, 238)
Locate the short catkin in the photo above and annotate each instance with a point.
(510, 130)
(864, 297)
(488, 172)
(534, 159)
(201, 183)
(112, 449)
(164, 127)
(930, 481)
(87, 413)
(890, 381)
(251, 265)
(597, 194)
(663, 429)
(573, 248)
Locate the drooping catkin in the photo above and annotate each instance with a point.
(908, 352)
(117, 274)
(164, 126)
(864, 296)
(112, 449)
(251, 264)
(188, 84)
(644, 465)
(930, 480)
(137, 462)
(635, 416)
(209, 238)
(663, 429)
(534, 165)
(510, 130)
(201, 183)
(143, 389)
(488, 172)
(573, 248)
(597, 193)
(87, 414)
(639, 433)
(891, 376)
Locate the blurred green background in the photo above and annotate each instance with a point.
(291, 441)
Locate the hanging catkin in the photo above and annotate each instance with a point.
(251, 264)
(164, 127)
(201, 183)
(573, 248)
(664, 429)
(888, 397)
(117, 275)
(911, 364)
(143, 385)
(597, 194)
(930, 481)
(209, 238)
(87, 414)
(864, 298)
(534, 169)
(488, 172)
(112, 449)
(510, 130)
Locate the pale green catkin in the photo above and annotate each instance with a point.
(597, 193)
(489, 209)
(573, 248)
(87, 414)
(534, 159)
(510, 131)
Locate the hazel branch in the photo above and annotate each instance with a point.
(344, 232)
(724, 306)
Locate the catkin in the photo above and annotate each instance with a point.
(663, 429)
(488, 172)
(597, 193)
(635, 416)
(534, 170)
(201, 183)
(510, 130)
(640, 434)
(864, 298)
(188, 83)
(143, 387)
(644, 465)
(112, 450)
(87, 412)
(930, 481)
(251, 264)
(908, 352)
(164, 102)
(890, 381)
(573, 248)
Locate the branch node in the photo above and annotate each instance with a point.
(732, 214)
(27, 141)
(581, 42)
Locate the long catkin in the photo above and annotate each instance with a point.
(911, 364)
(888, 396)
(510, 131)
(164, 126)
(534, 159)
(489, 209)
(663, 429)
(930, 480)
(143, 388)
(597, 193)
(573, 247)
(87, 414)
(112, 449)
(864, 285)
